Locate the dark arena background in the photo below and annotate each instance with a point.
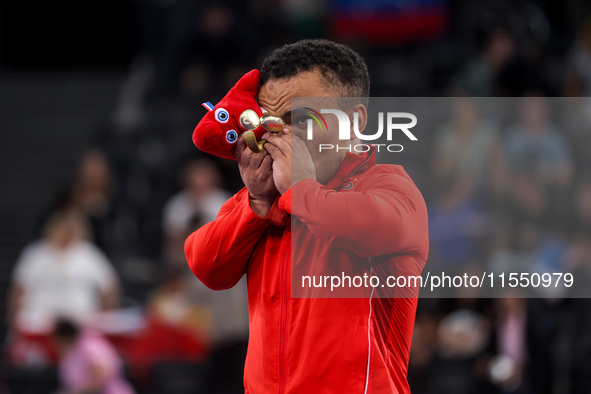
(98, 101)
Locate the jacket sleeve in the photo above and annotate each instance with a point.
(218, 252)
(389, 217)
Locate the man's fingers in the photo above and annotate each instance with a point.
(244, 155)
(240, 145)
(273, 150)
(282, 136)
(282, 143)
(258, 159)
(267, 162)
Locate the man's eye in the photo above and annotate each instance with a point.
(299, 121)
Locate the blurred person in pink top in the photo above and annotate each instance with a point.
(88, 362)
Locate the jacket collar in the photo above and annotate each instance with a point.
(352, 164)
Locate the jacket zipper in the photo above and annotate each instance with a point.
(284, 300)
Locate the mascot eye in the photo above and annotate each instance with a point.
(231, 136)
(221, 115)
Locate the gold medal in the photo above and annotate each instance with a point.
(273, 124)
(249, 120)
(252, 143)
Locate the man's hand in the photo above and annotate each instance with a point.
(257, 174)
(291, 160)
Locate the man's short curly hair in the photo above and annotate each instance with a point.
(339, 65)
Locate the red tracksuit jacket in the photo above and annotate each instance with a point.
(321, 345)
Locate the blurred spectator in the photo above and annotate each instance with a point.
(223, 40)
(173, 304)
(511, 318)
(519, 250)
(477, 78)
(576, 118)
(457, 225)
(576, 358)
(178, 327)
(577, 81)
(582, 205)
(506, 369)
(201, 196)
(468, 147)
(544, 320)
(527, 199)
(61, 275)
(222, 319)
(422, 352)
(500, 254)
(462, 337)
(218, 321)
(552, 254)
(190, 44)
(88, 362)
(537, 148)
(462, 334)
(93, 186)
(229, 336)
(578, 262)
(92, 192)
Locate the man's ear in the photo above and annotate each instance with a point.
(361, 121)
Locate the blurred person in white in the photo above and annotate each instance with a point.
(469, 147)
(201, 196)
(62, 274)
(538, 148)
(89, 364)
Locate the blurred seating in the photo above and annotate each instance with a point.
(174, 377)
(31, 380)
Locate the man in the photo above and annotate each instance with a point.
(316, 345)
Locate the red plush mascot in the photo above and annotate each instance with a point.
(238, 112)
